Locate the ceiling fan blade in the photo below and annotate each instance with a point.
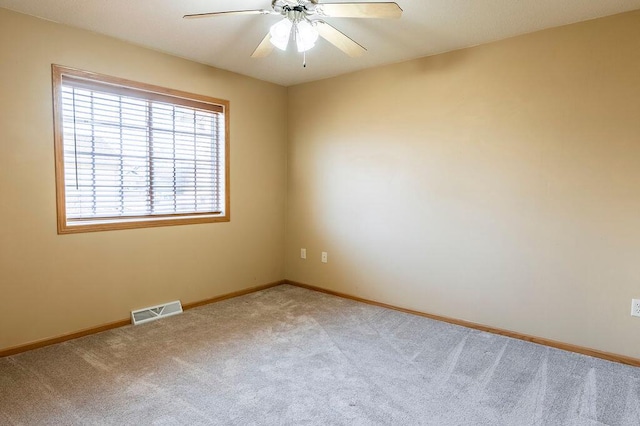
(361, 10)
(231, 12)
(264, 48)
(339, 40)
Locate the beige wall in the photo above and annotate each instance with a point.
(498, 184)
(50, 284)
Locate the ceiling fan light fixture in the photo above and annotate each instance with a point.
(306, 36)
(280, 33)
(303, 19)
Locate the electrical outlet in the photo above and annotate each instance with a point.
(324, 257)
(635, 307)
(303, 253)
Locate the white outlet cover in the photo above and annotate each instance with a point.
(635, 307)
(324, 257)
(303, 253)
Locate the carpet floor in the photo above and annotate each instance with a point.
(290, 356)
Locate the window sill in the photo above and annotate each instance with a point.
(145, 222)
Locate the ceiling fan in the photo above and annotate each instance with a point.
(303, 22)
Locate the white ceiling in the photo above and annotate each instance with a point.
(426, 27)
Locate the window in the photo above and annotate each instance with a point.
(132, 155)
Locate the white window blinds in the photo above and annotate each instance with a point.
(132, 154)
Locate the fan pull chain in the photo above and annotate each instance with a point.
(304, 59)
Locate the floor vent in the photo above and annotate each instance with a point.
(156, 312)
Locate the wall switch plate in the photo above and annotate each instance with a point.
(635, 307)
(303, 253)
(324, 257)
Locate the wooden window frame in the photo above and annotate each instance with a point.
(123, 86)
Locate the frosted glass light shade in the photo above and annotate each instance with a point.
(306, 36)
(280, 33)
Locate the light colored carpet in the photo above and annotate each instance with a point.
(292, 356)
